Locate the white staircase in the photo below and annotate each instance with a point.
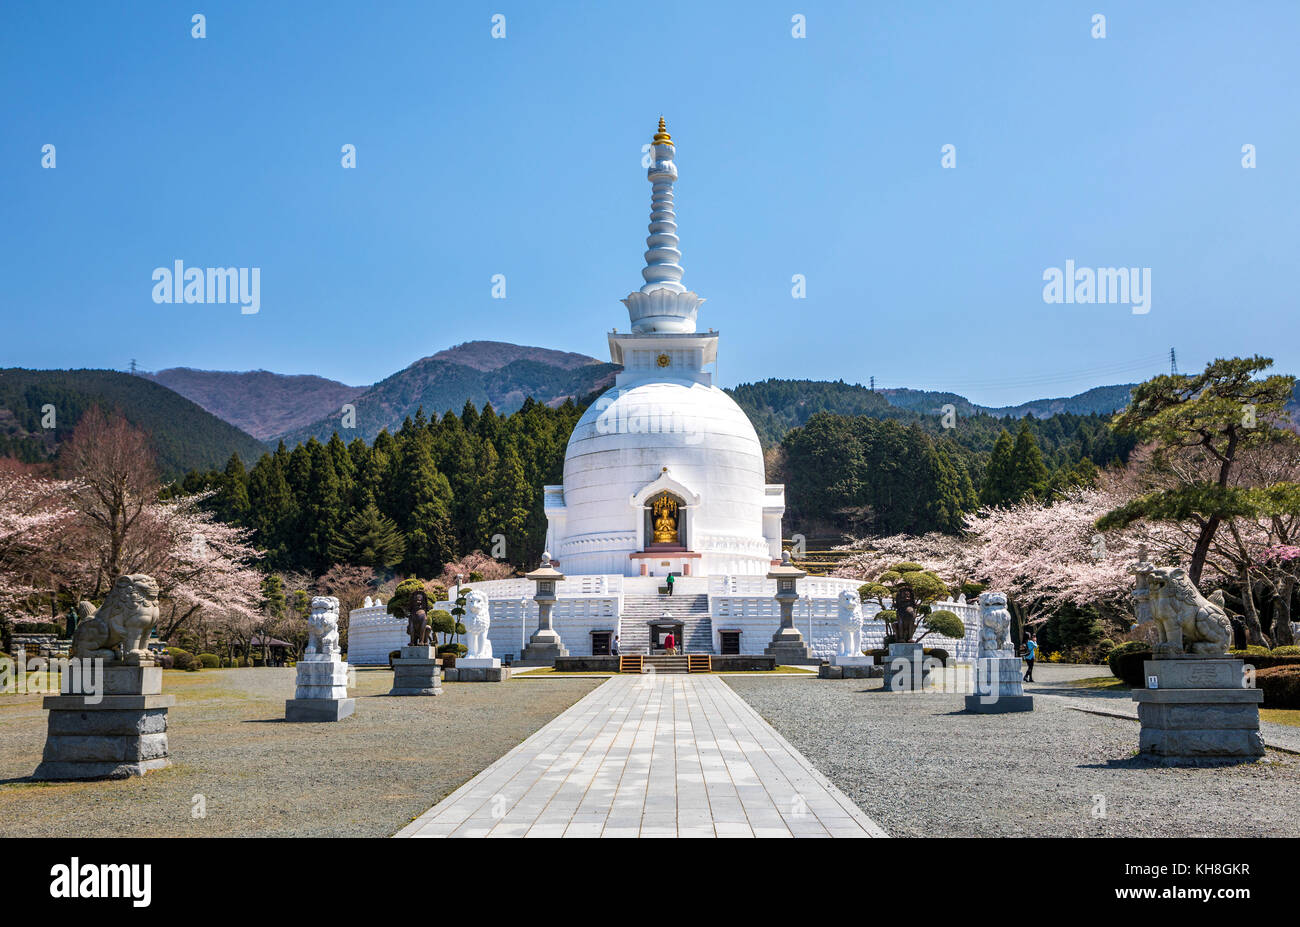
(691, 610)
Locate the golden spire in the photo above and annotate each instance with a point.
(663, 138)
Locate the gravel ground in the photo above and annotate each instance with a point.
(368, 775)
(919, 766)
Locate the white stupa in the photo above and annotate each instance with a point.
(663, 476)
(664, 447)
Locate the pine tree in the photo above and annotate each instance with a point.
(322, 511)
(422, 506)
(272, 507)
(232, 499)
(999, 476)
(1029, 474)
(369, 538)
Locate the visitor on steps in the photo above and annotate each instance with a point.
(1031, 654)
(670, 642)
(670, 583)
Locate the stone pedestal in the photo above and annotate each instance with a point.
(416, 672)
(322, 691)
(999, 686)
(1197, 712)
(120, 733)
(858, 660)
(860, 667)
(905, 668)
(479, 669)
(790, 649)
(543, 647)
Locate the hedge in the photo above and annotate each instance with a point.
(1281, 686)
(1265, 660)
(1126, 660)
(210, 661)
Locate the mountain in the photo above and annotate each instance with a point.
(262, 403)
(184, 435)
(478, 372)
(1100, 399)
(776, 406)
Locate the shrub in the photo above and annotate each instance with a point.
(937, 653)
(393, 655)
(1288, 650)
(210, 660)
(1126, 660)
(184, 660)
(945, 623)
(1103, 649)
(1281, 685)
(1252, 649)
(457, 649)
(1267, 660)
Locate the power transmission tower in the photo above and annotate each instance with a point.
(133, 366)
(873, 384)
(1173, 363)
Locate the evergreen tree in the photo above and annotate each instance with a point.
(424, 507)
(322, 512)
(1028, 473)
(369, 538)
(272, 506)
(999, 476)
(232, 498)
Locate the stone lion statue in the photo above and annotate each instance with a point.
(119, 629)
(477, 621)
(1186, 621)
(850, 624)
(323, 627)
(995, 624)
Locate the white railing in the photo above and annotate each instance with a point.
(515, 587)
(817, 618)
(815, 586)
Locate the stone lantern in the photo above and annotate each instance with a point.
(788, 645)
(545, 644)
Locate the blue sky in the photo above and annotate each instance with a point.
(522, 156)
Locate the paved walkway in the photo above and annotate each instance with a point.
(650, 756)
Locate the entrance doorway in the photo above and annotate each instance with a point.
(661, 628)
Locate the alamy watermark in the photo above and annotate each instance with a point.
(617, 418)
(51, 676)
(1119, 285)
(181, 284)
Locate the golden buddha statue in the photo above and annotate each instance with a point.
(665, 520)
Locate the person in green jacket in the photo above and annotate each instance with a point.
(670, 583)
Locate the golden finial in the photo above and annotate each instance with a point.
(663, 138)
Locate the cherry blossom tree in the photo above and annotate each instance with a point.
(35, 519)
(477, 562)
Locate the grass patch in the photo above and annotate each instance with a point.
(1098, 682)
(1288, 716)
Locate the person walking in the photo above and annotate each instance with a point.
(670, 643)
(670, 583)
(613, 651)
(1031, 654)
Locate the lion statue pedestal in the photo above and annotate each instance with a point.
(849, 662)
(999, 679)
(416, 672)
(110, 719)
(322, 685)
(478, 664)
(1196, 709)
